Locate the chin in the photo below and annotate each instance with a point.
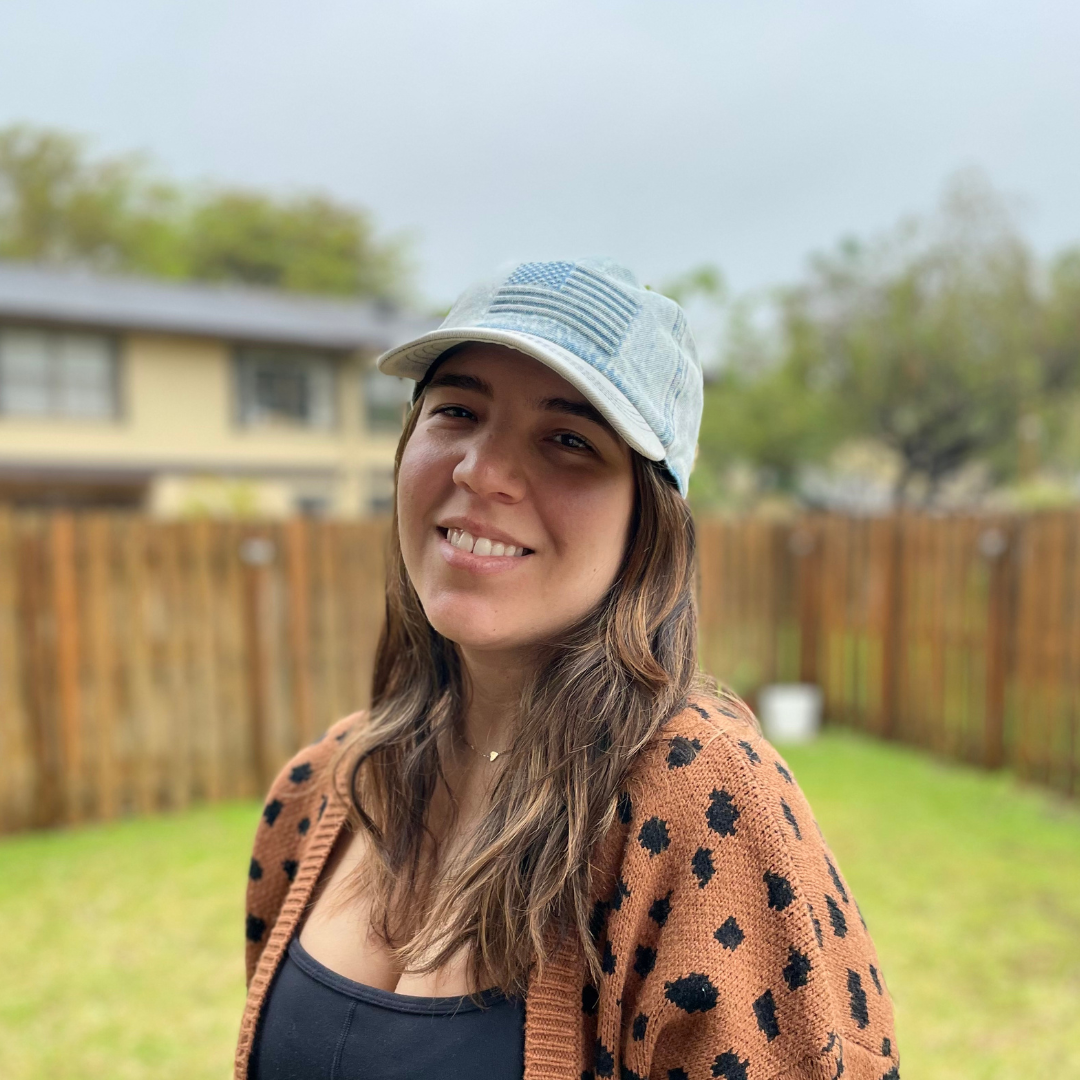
(483, 630)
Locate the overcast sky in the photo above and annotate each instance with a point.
(667, 134)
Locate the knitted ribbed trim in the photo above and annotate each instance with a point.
(318, 849)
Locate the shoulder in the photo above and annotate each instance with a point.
(292, 809)
(300, 792)
(711, 780)
(713, 738)
(717, 795)
(306, 774)
(729, 907)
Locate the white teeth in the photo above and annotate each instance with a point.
(457, 538)
(480, 545)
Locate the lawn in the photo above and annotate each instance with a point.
(970, 886)
(121, 956)
(122, 950)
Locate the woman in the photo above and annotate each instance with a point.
(551, 849)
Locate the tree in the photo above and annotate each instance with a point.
(938, 340)
(930, 340)
(762, 412)
(1060, 346)
(308, 244)
(1060, 339)
(58, 206)
(705, 281)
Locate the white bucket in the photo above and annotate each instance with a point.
(790, 712)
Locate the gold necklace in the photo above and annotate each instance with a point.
(491, 755)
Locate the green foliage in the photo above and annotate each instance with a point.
(940, 340)
(759, 413)
(1060, 342)
(774, 420)
(58, 206)
(929, 341)
(55, 206)
(705, 281)
(308, 244)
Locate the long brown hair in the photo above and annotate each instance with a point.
(594, 700)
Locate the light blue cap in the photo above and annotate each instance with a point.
(628, 349)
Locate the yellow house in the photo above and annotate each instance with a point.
(187, 398)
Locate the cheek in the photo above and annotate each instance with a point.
(422, 477)
(591, 531)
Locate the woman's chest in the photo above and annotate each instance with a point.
(343, 929)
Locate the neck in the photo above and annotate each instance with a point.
(493, 685)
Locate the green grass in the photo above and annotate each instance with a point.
(121, 951)
(122, 948)
(970, 885)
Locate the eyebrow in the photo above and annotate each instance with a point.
(461, 382)
(549, 404)
(576, 408)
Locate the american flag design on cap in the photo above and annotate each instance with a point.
(584, 302)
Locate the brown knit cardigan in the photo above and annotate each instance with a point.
(731, 945)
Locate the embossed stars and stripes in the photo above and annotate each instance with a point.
(575, 296)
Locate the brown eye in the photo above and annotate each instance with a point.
(448, 410)
(576, 441)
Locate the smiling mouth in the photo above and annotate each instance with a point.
(481, 545)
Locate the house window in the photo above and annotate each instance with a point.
(380, 493)
(56, 373)
(312, 505)
(385, 398)
(285, 386)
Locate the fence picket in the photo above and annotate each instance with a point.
(17, 771)
(101, 656)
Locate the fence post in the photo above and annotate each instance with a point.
(66, 613)
(892, 630)
(998, 544)
(805, 542)
(101, 654)
(1072, 670)
(174, 591)
(17, 772)
(256, 552)
(298, 608)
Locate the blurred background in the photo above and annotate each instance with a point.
(213, 217)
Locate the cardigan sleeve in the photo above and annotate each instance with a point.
(731, 944)
(292, 807)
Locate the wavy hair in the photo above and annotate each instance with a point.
(593, 701)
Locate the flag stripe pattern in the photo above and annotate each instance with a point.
(570, 294)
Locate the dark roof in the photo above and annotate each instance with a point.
(35, 293)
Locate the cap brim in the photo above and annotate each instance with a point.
(413, 359)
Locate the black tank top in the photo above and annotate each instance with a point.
(317, 1025)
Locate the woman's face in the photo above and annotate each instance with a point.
(508, 452)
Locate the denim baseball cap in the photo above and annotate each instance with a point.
(627, 349)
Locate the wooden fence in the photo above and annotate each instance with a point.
(959, 634)
(146, 665)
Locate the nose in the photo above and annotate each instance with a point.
(492, 466)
